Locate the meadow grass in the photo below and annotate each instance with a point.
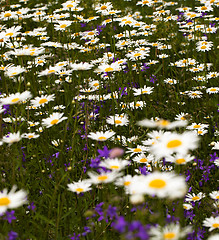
(109, 120)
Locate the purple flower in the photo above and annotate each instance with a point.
(12, 235)
(9, 216)
(120, 224)
(32, 207)
(104, 153)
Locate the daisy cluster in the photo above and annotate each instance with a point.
(108, 119)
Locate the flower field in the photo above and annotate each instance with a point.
(109, 120)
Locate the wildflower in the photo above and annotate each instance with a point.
(79, 187)
(144, 90)
(171, 143)
(30, 135)
(101, 136)
(103, 177)
(53, 119)
(42, 100)
(194, 197)
(138, 149)
(142, 158)
(161, 123)
(169, 232)
(12, 199)
(118, 120)
(12, 71)
(161, 184)
(180, 159)
(212, 90)
(12, 138)
(114, 164)
(212, 223)
(214, 195)
(214, 237)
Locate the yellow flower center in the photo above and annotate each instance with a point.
(169, 235)
(9, 34)
(51, 71)
(127, 183)
(102, 178)
(109, 69)
(114, 167)
(43, 100)
(54, 121)
(144, 2)
(213, 89)
(203, 47)
(217, 197)
(196, 126)
(30, 136)
(90, 33)
(70, 6)
(63, 26)
(143, 160)
(195, 198)
(14, 73)
(102, 138)
(180, 160)
(96, 84)
(163, 122)
(137, 150)
(40, 61)
(204, 8)
(128, 22)
(144, 91)
(4, 201)
(7, 15)
(215, 225)
(157, 183)
(137, 54)
(192, 15)
(15, 100)
(103, 7)
(118, 121)
(79, 189)
(38, 13)
(174, 143)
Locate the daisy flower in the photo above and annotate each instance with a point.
(12, 71)
(212, 90)
(81, 66)
(161, 123)
(142, 158)
(187, 206)
(114, 164)
(30, 135)
(161, 184)
(171, 143)
(170, 232)
(12, 199)
(103, 177)
(198, 126)
(79, 187)
(192, 197)
(180, 159)
(53, 119)
(42, 100)
(216, 146)
(214, 237)
(12, 138)
(214, 195)
(118, 120)
(108, 67)
(144, 90)
(101, 136)
(138, 149)
(212, 223)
